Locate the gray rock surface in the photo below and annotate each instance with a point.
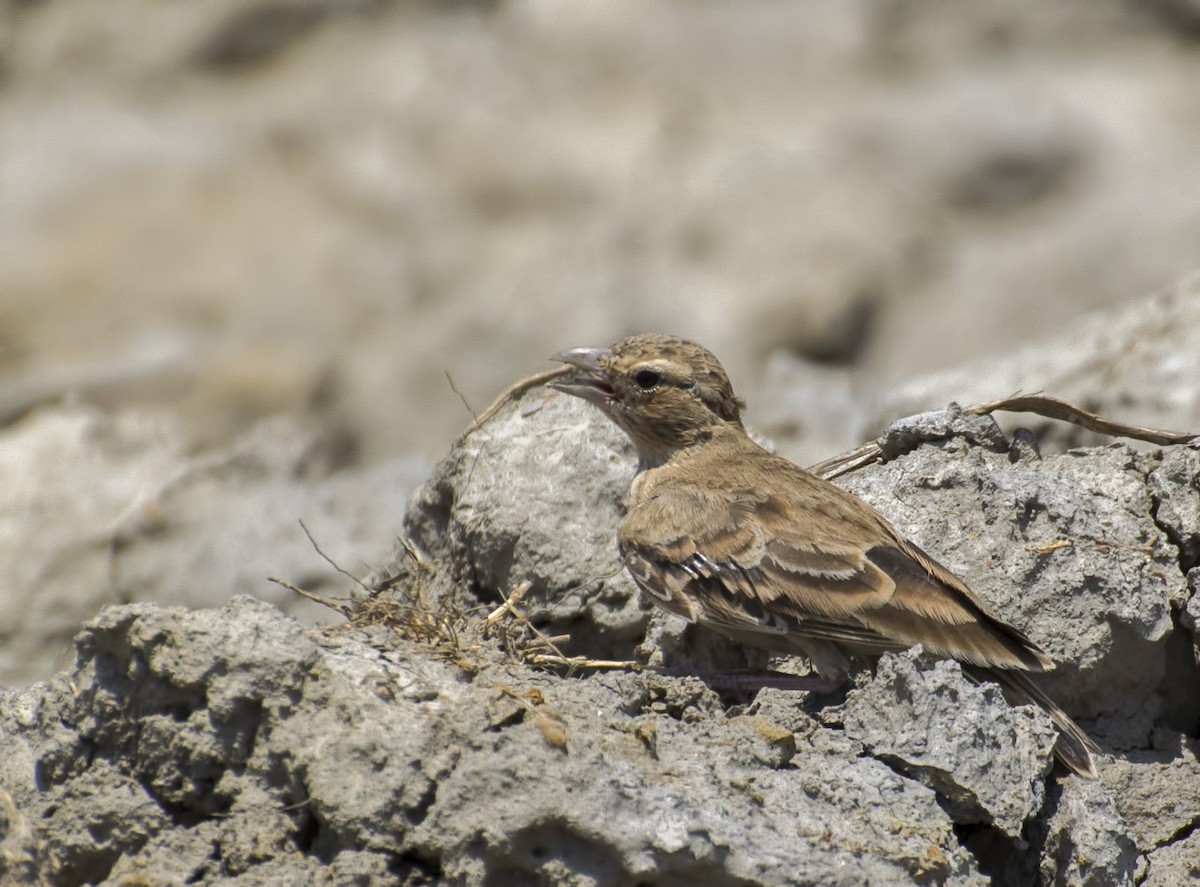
(234, 746)
(102, 509)
(1177, 863)
(986, 760)
(1157, 792)
(1084, 549)
(1087, 840)
(535, 496)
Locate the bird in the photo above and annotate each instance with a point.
(727, 535)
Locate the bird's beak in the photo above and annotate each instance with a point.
(589, 380)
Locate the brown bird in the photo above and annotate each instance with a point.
(725, 534)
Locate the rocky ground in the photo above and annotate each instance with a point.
(243, 244)
(439, 737)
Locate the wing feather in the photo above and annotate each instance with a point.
(760, 564)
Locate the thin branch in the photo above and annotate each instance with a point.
(1039, 404)
(849, 461)
(1050, 546)
(415, 553)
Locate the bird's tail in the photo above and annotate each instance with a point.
(1074, 747)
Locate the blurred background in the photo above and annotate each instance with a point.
(253, 251)
(237, 208)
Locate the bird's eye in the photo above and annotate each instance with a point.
(647, 379)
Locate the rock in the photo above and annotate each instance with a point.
(221, 744)
(1175, 488)
(232, 744)
(112, 508)
(1176, 863)
(188, 184)
(1190, 617)
(1157, 791)
(1079, 548)
(1065, 547)
(986, 760)
(1088, 842)
(535, 496)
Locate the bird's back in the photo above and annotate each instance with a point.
(809, 556)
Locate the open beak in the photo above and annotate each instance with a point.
(589, 380)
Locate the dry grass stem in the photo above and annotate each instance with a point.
(1050, 546)
(506, 608)
(404, 603)
(512, 392)
(574, 662)
(526, 642)
(1053, 408)
(345, 609)
(845, 463)
(401, 602)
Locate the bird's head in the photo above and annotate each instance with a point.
(666, 393)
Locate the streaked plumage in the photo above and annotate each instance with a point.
(725, 534)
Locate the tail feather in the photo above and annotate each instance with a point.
(1074, 747)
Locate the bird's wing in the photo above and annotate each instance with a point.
(821, 565)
